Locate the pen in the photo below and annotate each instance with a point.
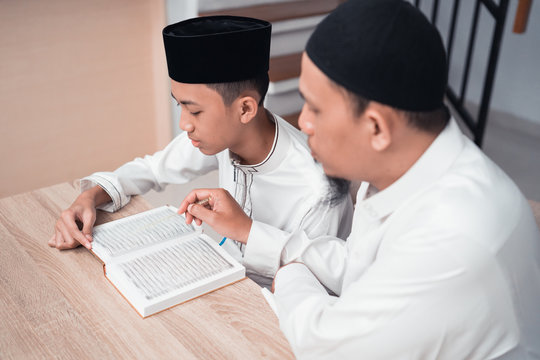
(203, 201)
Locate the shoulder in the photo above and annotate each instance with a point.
(473, 200)
(296, 137)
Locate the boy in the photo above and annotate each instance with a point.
(219, 76)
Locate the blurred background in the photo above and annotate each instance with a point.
(84, 84)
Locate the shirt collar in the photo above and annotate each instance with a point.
(276, 155)
(426, 170)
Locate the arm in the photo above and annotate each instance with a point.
(267, 246)
(67, 234)
(316, 242)
(423, 297)
(178, 163)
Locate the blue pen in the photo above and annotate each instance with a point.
(222, 241)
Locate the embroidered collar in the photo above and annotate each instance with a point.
(275, 156)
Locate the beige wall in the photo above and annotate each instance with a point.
(83, 87)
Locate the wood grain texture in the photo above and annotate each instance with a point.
(58, 303)
(285, 67)
(292, 119)
(282, 10)
(522, 16)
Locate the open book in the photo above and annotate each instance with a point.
(155, 260)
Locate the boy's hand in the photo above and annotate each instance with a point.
(67, 234)
(221, 212)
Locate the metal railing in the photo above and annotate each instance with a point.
(476, 124)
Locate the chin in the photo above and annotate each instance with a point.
(207, 152)
(332, 172)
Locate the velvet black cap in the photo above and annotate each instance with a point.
(217, 49)
(383, 50)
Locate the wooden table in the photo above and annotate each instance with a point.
(58, 303)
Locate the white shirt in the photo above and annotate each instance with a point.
(283, 193)
(442, 264)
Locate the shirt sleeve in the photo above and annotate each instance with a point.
(266, 247)
(409, 304)
(178, 163)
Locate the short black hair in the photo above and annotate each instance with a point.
(430, 121)
(230, 91)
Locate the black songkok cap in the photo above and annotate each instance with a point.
(217, 49)
(383, 50)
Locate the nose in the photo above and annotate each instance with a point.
(305, 122)
(185, 124)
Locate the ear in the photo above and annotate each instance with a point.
(379, 127)
(248, 108)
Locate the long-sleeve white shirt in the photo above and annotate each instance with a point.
(443, 264)
(285, 192)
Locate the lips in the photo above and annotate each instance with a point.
(194, 142)
(311, 149)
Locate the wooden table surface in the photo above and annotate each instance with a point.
(58, 304)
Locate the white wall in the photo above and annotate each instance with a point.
(82, 88)
(517, 82)
(211, 5)
(178, 10)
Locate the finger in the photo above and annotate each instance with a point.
(64, 235)
(58, 239)
(72, 233)
(88, 219)
(70, 241)
(189, 199)
(67, 245)
(193, 197)
(52, 241)
(189, 218)
(201, 213)
(69, 228)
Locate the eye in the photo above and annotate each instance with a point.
(313, 109)
(195, 113)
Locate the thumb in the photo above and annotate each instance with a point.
(201, 213)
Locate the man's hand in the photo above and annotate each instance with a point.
(67, 234)
(274, 281)
(221, 212)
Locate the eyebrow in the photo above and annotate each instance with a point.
(184, 102)
(309, 102)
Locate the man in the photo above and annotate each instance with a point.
(219, 76)
(443, 261)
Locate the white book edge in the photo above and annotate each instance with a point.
(146, 307)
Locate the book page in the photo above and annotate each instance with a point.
(175, 267)
(139, 231)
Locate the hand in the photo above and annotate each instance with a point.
(221, 212)
(274, 281)
(67, 234)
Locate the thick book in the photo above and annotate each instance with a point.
(156, 261)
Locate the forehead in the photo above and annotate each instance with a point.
(198, 93)
(315, 85)
(308, 75)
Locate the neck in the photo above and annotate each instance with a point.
(402, 156)
(256, 139)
